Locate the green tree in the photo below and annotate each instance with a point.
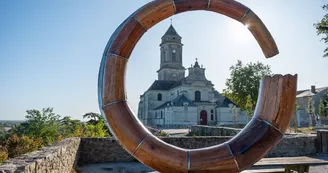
(96, 130)
(44, 124)
(249, 107)
(296, 107)
(311, 110)
(322, 111)
(245, 81)
(3, 154)
(20, 145)
(322, 29)
(94, 117)
(71, 128)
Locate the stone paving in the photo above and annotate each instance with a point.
(136, 167)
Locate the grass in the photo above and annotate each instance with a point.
(162, 133)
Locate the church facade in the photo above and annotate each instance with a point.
(177, 99)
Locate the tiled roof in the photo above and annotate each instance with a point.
(308, 93)
(162, 85)
(224, 102)
(171, 31)
(179, 101)
(305, 94)
(165, 85)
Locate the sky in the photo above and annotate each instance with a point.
(50, 51)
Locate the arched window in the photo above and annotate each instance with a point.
(161, 114)
(174, 56)
(159, 97)
(198, 96)
(163, 56)
(212, 111)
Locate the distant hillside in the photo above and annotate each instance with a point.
(12, 121)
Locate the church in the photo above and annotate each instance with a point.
(179, 100)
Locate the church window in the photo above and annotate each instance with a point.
(212, 111)
(163, 56)
(174, 56)
(159, 97)
(198, 96)
(161, 114)
(212, 117)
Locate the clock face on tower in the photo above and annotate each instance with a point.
(174, 51)
(198, 72)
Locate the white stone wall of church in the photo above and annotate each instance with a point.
(208, 109)
(180, 116)
(226, 117)
(205, 92)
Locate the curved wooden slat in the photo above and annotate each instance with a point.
(272, 115)
(190, 5)
(114, 78)
(213, 159)
(162, 156)
(254, 142)
(154, 12)
(127, 128)
(261, 34)
(232, 9)
(273, 108)
(127, 38)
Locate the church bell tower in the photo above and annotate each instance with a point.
(171, 68)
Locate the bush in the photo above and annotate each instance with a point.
(162, 134)
(96, 130)
(3, 154)
(21, 145)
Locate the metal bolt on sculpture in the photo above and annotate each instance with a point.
(273, 112)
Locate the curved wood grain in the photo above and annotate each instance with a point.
(272, 115)
(161, 156)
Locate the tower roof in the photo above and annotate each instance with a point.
(171, 31)
(196, 64)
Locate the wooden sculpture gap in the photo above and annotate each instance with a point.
(268, 125)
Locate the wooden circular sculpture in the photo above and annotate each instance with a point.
(272, 115)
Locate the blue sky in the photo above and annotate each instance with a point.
(50, 51)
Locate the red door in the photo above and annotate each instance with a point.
(203, 117)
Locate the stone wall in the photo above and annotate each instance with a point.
(63, 156)
(213, 131)
(98, 150)
(59, 157)
(295, 145)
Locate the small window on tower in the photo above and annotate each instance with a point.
(198, 96)
(159, 97)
